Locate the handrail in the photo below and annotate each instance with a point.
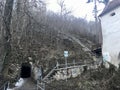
(70, 67)
(55, 68)
(78, 63)
(3, 87)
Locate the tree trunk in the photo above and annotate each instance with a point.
(7, 35)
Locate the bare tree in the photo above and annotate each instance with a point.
(63, 10)
(7, 35)
(1, 27)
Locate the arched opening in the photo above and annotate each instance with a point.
(25, 70)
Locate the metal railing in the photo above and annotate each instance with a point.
(5, 86)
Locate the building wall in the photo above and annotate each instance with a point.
(111, 36)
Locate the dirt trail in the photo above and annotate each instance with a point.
(72, 38)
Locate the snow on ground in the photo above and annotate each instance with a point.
(20, 82)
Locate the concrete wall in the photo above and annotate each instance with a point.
(111, 36)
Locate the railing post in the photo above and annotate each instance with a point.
(37, 84)
(43, 86)
(4, 87)
(74, 62)
(57, 65)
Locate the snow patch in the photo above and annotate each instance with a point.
(9, 89)
(20, 82)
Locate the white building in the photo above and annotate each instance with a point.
(110, 22)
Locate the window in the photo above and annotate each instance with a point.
(112, 14)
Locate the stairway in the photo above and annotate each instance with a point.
(64, 72)
(48, 78)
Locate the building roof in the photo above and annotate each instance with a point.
(110, 6)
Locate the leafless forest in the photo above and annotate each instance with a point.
(30, 33)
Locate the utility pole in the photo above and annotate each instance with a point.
(96, 20)
(95, 10)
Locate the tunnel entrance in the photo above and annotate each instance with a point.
(25, 70)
